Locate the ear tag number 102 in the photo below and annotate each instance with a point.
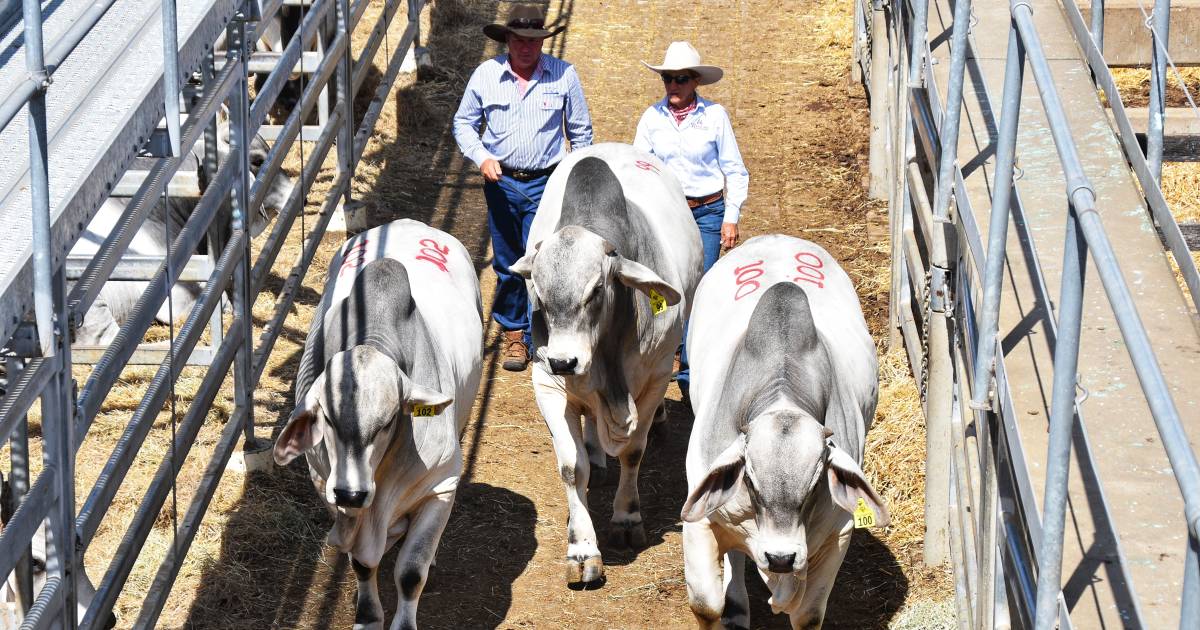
(864, 516)
(658, 303)
(424, 411)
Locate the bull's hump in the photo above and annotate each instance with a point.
(595, 200)
(782, 321)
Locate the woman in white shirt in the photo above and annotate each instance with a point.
(693, 137)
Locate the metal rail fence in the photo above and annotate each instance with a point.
(38, 358)
(981, 508)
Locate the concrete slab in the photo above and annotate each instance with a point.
(1130, 468)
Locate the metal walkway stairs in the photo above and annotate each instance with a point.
(105, 102)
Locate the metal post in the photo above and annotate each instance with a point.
(345, 93)
(1098, 24)
(878, 157)
(171, 74)
(208, 170)
(18, 484)
(887, 74)
(953, 114)
(1189, 614)
(916, 49)
(239, 139)
(39, 177)
(1062, 420)
(1158, 86)
(1006, 141)
(58, 439)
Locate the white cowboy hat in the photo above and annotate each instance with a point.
(682, 56)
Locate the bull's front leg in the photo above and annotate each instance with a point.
(584, 564)
(627, 530)
(736, 615)
(597, 459)
(702, 570)
(823, 565)
(415, 556)
(368, 610)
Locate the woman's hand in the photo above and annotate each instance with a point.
(729, 235)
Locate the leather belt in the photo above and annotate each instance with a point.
(696, 202)
(526, 176)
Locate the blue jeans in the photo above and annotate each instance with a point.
(511, 206)
(709, 218)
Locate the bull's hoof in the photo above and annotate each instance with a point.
(585, 573)
(729, 625)
(627, 536)
(596, 476)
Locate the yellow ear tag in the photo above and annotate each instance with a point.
(428, 411)
(864, 516)
(658, 303)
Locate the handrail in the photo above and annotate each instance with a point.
(1086, 234)
(1034, 539)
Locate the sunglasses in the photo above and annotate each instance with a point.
(679, 79)
(526, 23)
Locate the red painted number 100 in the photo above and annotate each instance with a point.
(744, 277)
(810, 269)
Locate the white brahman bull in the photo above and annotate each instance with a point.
(383, 391)
(784, 386)
(613, 260)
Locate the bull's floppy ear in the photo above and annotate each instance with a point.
(848, 484)
(524, 265)
(719, 485)
(638, 276)
(419, 401)
(303, 431)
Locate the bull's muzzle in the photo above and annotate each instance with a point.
(563, 366)
(349, 498)
(781, 562)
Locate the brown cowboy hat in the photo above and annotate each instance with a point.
(525, 20)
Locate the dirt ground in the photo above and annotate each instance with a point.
(259, 559)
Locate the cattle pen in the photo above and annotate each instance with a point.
(150, 457)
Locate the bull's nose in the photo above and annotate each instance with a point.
(349, 498)
(563, 366)
(780, 563)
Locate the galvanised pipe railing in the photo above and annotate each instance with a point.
(1159, 26)
(1086, 234)
(51, 497)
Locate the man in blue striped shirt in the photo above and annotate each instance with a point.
(517, 113)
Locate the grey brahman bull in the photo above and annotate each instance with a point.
(383, 391)
(615, 256)
(784, 387)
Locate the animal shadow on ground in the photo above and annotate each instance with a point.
(662, 485)
(869, 590)
(487, 544)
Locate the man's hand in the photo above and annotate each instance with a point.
(491, 172)
(729, 235)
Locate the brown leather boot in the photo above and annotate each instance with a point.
(516, 353)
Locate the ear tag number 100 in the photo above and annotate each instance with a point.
(864, 516)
